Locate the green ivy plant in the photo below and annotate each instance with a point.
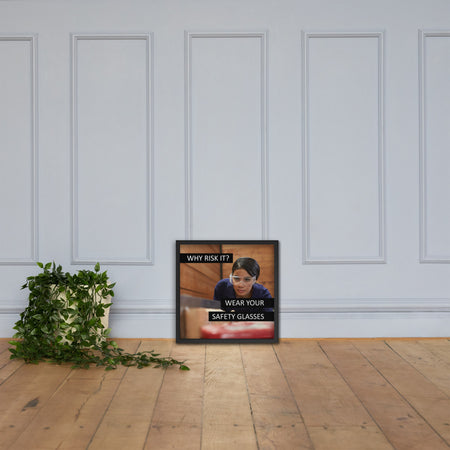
(63, 323)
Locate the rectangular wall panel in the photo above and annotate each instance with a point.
(226, 135)
(343, 205)
(434, 69)
(18, 150)
(112, 151)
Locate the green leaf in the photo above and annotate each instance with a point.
(62, 323)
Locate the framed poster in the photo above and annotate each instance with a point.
(227, 291)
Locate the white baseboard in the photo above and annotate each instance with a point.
(302, 318)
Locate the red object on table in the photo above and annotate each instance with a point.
(238, 330)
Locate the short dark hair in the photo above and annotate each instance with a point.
(248, 264)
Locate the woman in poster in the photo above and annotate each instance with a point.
(242, 282)
(236, 293)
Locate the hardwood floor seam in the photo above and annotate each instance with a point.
(293, 396)
(109, 403)
(249, 397)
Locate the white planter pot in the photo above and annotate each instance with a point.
(73, 312)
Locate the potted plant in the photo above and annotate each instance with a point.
(66, 320)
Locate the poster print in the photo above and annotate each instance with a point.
(227, 291)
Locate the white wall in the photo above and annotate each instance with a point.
(125, 125)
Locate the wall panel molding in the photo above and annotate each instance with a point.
(32, 257)
(295, 306)
(365, 305)
(300, 318)
(308, 255)
(189, 208)
(308, 318)
(425, 255)
(148, 240)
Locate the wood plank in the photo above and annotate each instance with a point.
(9, 369)
(195, 282)
(323, 396)
(400, 423)
(4, 345)
(177, 418)
(430, 402)
(227, 420)
(438, 347)
(24, 395)
(127, 419)
(432, 366)
(70, 417)
(328, 406)
(277, 420)
(199, 279)
(7, 365)
(364, 437)
(199, 248)
(211, 271)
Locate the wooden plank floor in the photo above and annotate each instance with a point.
(299, 394)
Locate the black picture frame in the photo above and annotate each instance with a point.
(202, 318)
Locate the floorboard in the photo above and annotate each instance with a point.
(24, 395)
(423, 357)
(227, 419)
(331, 410)
(398, 420)
(276, 415)
(425, 397)
(177, 418)
(298, 394)
(127, 419)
